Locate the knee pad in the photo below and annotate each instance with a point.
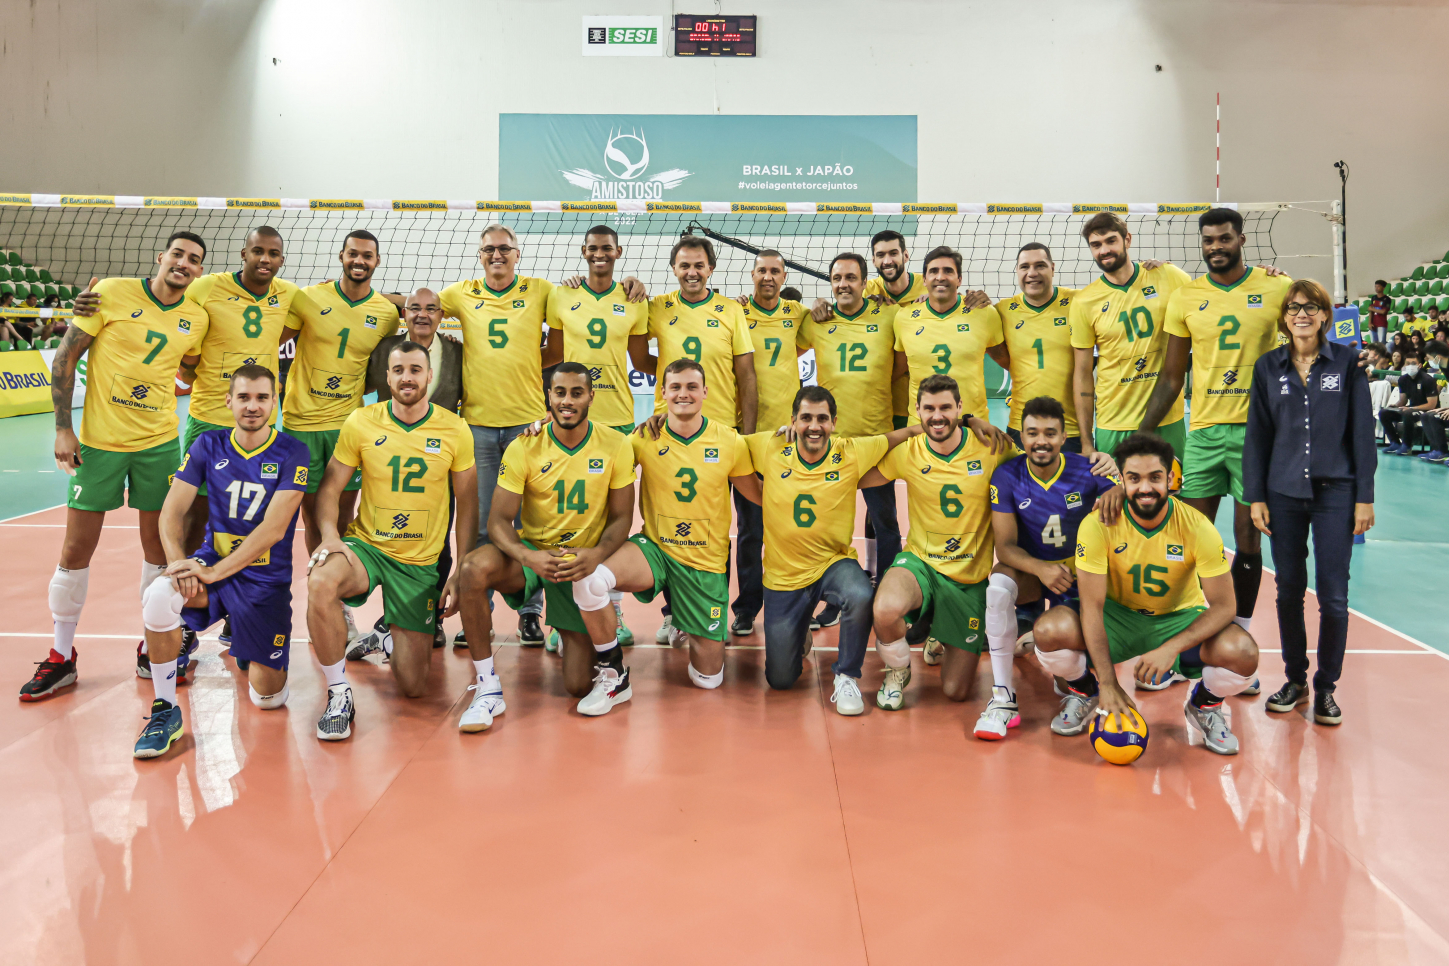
(707, 681)
(1000, 606)
(1222, 682)
(592, 593)
(149, 573)
(1068, 665)
(268, 702)
(894, 653)
(68, 594)
(161, 606)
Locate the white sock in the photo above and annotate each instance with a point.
(386, 641)
(484, 669)
(615, 597)
(894, 653)
(601, 648)
(149, 572)
(1244, 622)
(65, 639)
(1065, 664)
(335, 673)
(707, 681)
(67, 596)
(1001, 627)
(163, 680)
(268, 702)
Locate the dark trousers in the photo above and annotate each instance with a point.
(749, 560)
(1399, 425)
(787, 622)
(1433, 428)
(1329, 516)
(880, 509)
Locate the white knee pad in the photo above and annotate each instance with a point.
(1065, 664)
(592, 593)
(268, 702)
(707, 681)
(161, 606)
(894, 653)
(68, 594)
(149, 573)
(1222, 682)
(1000, 608)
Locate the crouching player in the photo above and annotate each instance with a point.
(254, 478)
(1141, 597)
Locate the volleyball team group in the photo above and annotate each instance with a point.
(1081, 533)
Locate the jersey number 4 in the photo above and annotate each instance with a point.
(1052, 532)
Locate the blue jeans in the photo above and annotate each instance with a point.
(489, 442)
(787, 622)
(880, 509)
(1329, 517)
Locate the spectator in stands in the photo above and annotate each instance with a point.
(1432, 422)
(1396, 360)
(1416, 339)
(1380, 389)
(17, 330)
(1410, 322)
(55, 324)
(1397, 341)
(1312, 476)
(1432, 322)
(1418, 393)
(1379, 310)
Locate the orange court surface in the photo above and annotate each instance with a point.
(687, 826)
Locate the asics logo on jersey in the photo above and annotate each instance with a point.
(334, 381)
(399, 521)
(478, 306)
(1203, 306)
(786, 473)
(1021, 323)
(674, 320)
(921, 329)
(925, 470)
(831, 330)
(325, 311)
(545, 467)
(1023, 504)
(575, 306)
(1230, 377)
(1106, 306)
(1117, 549)
(663, 451)
(1140, 364)
(682, 529)
(753, 323)
(222, 464)
(137, 314)
(139, 391)
(379, 441)
(276, 655)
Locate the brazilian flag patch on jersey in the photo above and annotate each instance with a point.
(1174, 551)
(713, 323)
(973, 468)
(1255, 301)
(433, 446)
(832, 476)
(1059, 320)
(269, 471)
(711, 454)
(370, 322)
(518, 303)
(1149, 291)
(872, 328)
(596, 464)
(963, 327)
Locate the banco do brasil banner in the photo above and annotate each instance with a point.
(706, 157)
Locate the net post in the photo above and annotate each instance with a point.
(1340, 296)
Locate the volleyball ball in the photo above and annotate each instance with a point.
(1119, 738)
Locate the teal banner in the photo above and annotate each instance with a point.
(706, 157)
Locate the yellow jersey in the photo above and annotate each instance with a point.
(1416, 324)
(901, 403)
(1230, 327)
(949, 499)
(1125, 323)
(774, 335)
(1042, 361)
(685, 492)
(403, 509)
(951, 343)
(244, 330)
(809, 508)
(502, 348)
(1153, 571)
(335, 338)
(854, 355)
(711, 333)
(596, 327)
(566, 491)
(131, 366)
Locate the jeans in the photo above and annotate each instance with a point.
(489, 442)
(880, 509)
(1433, 428)
(787, 622)
(1329, 515)
(749, 563)
(1399, 424)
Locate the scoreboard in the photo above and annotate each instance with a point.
(706, 35)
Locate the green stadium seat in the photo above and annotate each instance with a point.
(5, 345)
(1396, 289)
(1446, 256)
(1423, 288)
(1444, 304)
(50, 290)
(21, 290)
(31, 275)
(1417, 304)
(6, 287)
(1418, 273)
(1400, 305)
(1436, 287)
(44, 274)
(1444, 269)
(4, 274)
(14, 258)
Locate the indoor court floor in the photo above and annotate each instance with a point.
(734, 826)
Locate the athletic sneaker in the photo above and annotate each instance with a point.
(610, 688)
(486, 705)
(460, 639)
(933, 651)
(1433, 456)
(661, 636)
(892, 693)
(1000, 714)
(553, 643)
(143, 661)
(225, 635)
(1212, 724)
(828, 617)
(1288, 697)
(742, 627)
(51, 675)
(440, 636)
(1252, 690)
(162, 729)
(351, 624)
(1025, 644)
(1172, 678)
(678, 638)
(369, 643)
(185, 666)
(336, 722)
(1075, 712)
(846, 696)
(530, 631)
(621, 631)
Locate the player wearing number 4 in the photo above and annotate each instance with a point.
(1154, 586)
(243, 571)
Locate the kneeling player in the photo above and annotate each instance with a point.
(575, 485)
(1141, 597)
(684, 497)
(255, 478)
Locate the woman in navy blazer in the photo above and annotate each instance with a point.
(1308, 466)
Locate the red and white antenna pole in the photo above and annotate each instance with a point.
(1218, 161)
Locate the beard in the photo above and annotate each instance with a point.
(1234, 259)
(1146, 505)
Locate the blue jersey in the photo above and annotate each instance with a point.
(239, 488)
(1048, 513)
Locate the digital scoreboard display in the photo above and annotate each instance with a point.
(702, 35)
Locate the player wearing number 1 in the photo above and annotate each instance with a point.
(1034, 322)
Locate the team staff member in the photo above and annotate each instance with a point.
(1314, 476)
(1418, 393)
(127, 441)
(1039, 341)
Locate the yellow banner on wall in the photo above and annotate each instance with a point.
(24, 384)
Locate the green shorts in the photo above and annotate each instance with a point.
(409, 591)
(320, 444)
(104, 475)
(697, 598)
(194, 428)
(563, 613)
(1130, 634)
(957, 611)
(1214, 462)
(900, 422)
(1175, 433)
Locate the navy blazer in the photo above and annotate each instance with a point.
(1297, 434)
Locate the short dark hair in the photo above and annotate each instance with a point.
(792, 293)
(603, 230)
(685, 364)
(769, 253)
(887, 235)
(1379, 281)
(849, 256)
(1436, 348)
(938, 383)
(1044, 407)
(1035, 247)
(1102, 223)
(1408, 310)
(693, 241)
(408, 345)
(575, 369)
(190, 236)
(814, 394)
(266, 231)
(365, 235)
(1378, 347)
(50, 300)
(1220, 216)
(1144, 444)
(252, 371)
(6, 298)
(942, 251)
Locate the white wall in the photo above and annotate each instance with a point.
(1037, 100)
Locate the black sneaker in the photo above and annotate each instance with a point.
(225, 635)
(440, 636)
(828, 617)
(1286, 698)
(52, 674)
(1325, 709)
(460, 639)
(917, 633)
(143, 661)
(185, 663)
(530, 632)
(742, 627)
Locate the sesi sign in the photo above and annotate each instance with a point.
(623, 37)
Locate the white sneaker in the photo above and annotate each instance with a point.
(933, 651)
(1001, 713)
(336, 721)
(892, 693)
(351, 624)
(677, 638)
(662, 635)
(486, 705)
(610, 688)
(847, 697)
(1172, 678)
(369, 643)
(1025, 644)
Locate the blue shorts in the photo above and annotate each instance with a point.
(1069, 599)
(261, 619)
